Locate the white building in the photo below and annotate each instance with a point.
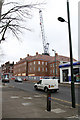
(65, 72)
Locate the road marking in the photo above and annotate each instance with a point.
(76, 116)
(30, 98)
(37, 95)
(58, 110)
(26, 104)
(13, 97)
(62, 100)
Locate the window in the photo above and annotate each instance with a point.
(42, 63)
(43, 69)
(50, 71)
(25, 67)
(56, 70)
(46, 69)
(46, 63)
(38, 62)
(38, 68)
(50, 65)
(30, 68)
(30, 63)
(53, 71)
(34, 68)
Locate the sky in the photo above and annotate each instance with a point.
(56, 33)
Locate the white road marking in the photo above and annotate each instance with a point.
(76, 116)
(30, 98)
(26, 104)
(13, 97)
(37, 95)
(58, 110)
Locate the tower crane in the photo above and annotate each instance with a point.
(45, 45)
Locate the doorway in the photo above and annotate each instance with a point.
(65, 75)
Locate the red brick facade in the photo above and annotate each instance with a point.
(39, 65)
(7, 68)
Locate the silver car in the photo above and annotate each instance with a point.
(18, 79)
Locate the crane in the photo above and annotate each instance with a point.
(45, 45)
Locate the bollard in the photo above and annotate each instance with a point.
(48, 101)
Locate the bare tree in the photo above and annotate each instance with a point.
(1, 2)
(12, 19)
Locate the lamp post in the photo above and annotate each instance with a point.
(55, 61)
(71, 57)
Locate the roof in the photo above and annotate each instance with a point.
(47, 58)
(40, 57)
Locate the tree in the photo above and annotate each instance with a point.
(13, 18)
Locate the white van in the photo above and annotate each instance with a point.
(47, 85)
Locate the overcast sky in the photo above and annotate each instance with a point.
(56, 33)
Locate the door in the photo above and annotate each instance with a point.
(65, 75)
(40, 85)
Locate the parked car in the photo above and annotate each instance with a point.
(5, 80)
(13, 78)
(18, 79)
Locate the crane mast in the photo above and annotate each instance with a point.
(45, 45)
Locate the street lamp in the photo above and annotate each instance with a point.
(71, 58)
(55, 61)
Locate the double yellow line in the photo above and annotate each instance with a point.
(62, 100)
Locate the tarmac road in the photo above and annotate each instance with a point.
(63, 95)
(17, 103)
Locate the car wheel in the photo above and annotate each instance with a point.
(46, 89)
(35, 87)
(55, 90)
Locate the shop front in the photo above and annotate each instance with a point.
(65, 72)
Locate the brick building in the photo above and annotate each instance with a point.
(39, 66)
(7, 68)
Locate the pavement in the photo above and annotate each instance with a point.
(20, 104)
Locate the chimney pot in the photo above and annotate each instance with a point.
(36, 53)
(56, 54)
(27, 55)
(20, 58)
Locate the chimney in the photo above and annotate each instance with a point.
(56, 54)
(36, 53)
(20, 58)
(27, 55)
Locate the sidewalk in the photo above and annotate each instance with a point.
(24, 104)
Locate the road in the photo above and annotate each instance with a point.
(18, 103)
(63, 95)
